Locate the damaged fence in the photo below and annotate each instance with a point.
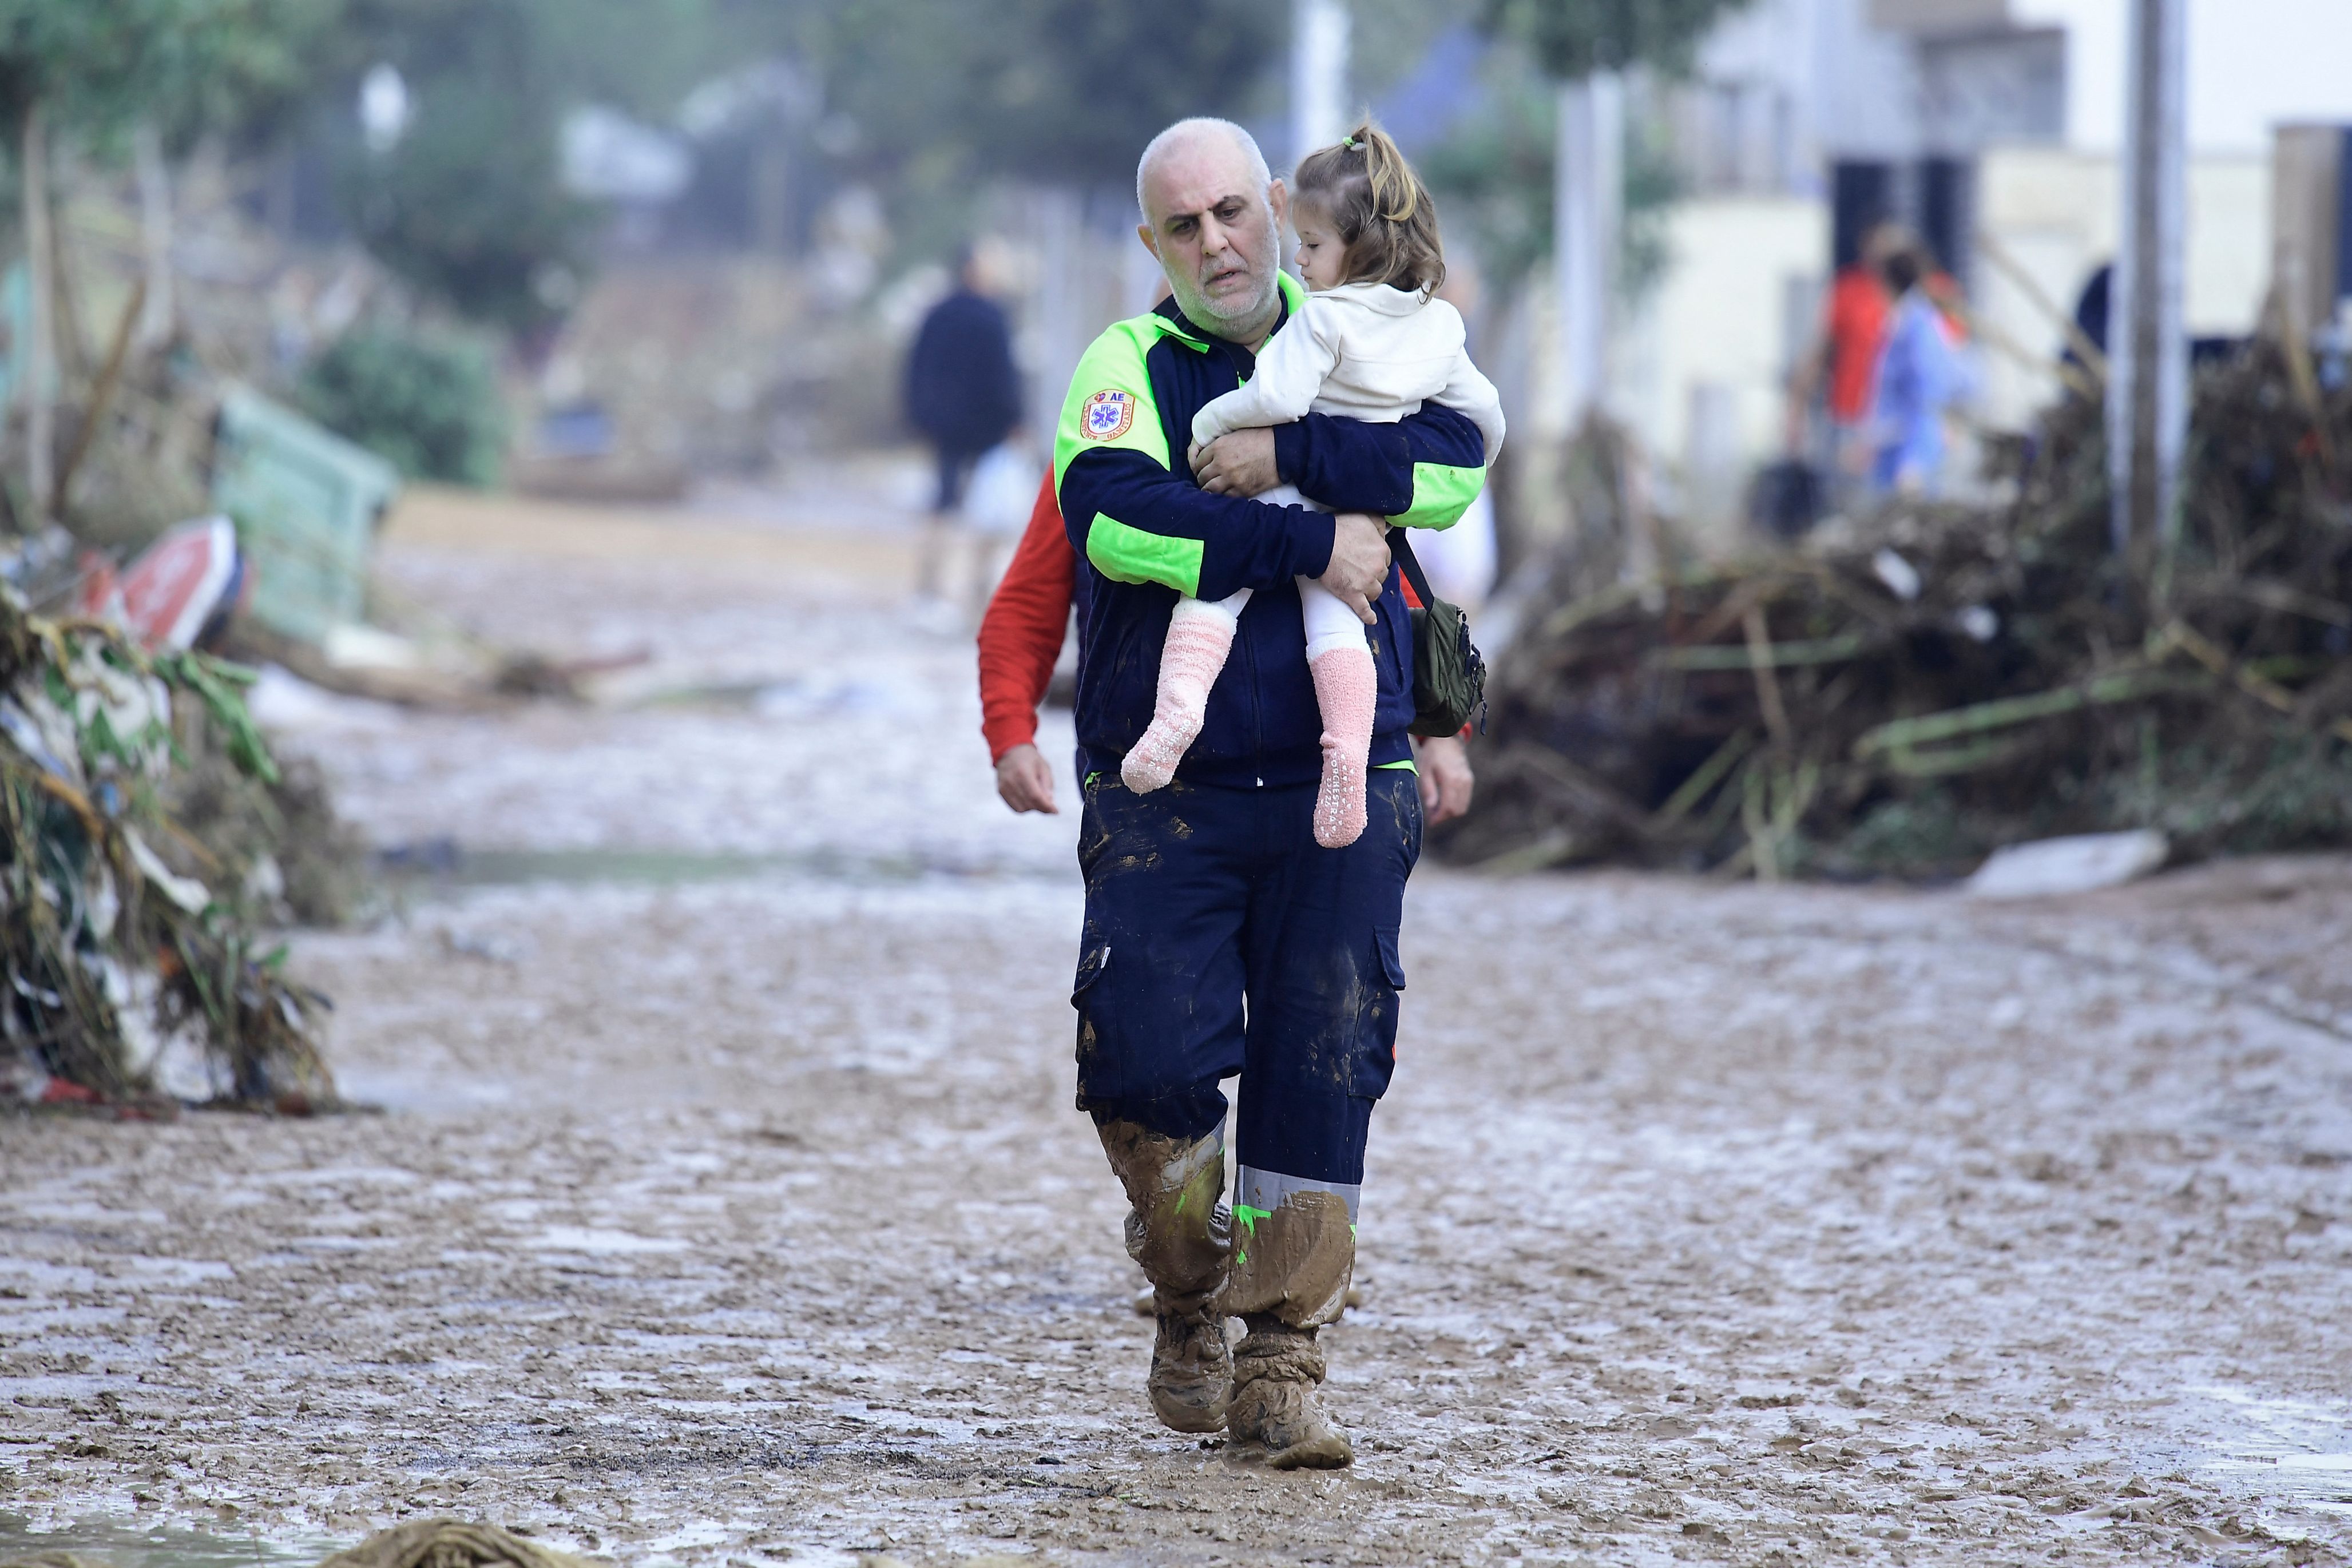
(1903, 696)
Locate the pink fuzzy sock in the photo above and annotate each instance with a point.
(1348, 689)
(1200, 635)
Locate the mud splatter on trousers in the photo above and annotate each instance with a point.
(1222, 941)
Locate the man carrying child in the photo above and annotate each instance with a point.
(1219, 939)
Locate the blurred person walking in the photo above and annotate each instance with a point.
(1919, 377)
(1839, 371)
(963, 394)
(1219, 939)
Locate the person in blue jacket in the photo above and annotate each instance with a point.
(1920, 376)
(1220, 940)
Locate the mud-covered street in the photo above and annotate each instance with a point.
(727, 1205)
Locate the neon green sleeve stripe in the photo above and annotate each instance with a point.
(1110, 405)
(1441, 493)
(1406, 765)
(1132, 555)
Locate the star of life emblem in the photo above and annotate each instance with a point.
(1108, 415)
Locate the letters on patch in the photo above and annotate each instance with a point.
(1108, 415)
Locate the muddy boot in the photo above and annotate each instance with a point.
(1276, 1371)
(1180, 1232)
(1192, 1372)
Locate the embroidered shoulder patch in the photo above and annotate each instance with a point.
(1108, 415)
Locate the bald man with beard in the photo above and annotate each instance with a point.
(1220, 940)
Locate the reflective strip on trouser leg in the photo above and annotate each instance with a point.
(1294, 1248)
(1255, 1188)
(1177, 1227)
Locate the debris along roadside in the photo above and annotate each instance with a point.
(418, 1544)
(1907, 697)
(137, 975)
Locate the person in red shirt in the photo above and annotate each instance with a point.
(1021, 637)
(1846, 358)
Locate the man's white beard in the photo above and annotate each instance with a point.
(1197, 307)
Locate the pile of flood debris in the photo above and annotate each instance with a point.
(139, 870)
(418, 1544)
(1902, 695)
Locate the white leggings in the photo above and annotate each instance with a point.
(1329, 623)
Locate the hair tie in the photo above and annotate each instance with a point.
(1348, 143)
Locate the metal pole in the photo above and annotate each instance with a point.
(1318, 75)
(2147, 396)
(156, 314)
(1587, 209)
(37, 364)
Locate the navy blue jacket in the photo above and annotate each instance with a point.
(962, 389)
(1145, 532)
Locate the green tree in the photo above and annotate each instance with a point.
(429, 404)
(468, 205)
(1573, 38)
(930, 100)
(1494, 176)
(91, 69)
(95, 67)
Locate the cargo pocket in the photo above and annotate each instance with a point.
(1376, 1022)
(1092, 963)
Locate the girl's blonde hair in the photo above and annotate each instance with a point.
(1385, 216)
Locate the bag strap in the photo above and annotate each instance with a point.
(1402, 550)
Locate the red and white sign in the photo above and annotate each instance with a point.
(165, 597)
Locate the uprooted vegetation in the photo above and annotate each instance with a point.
(137, 969)
(1902, 696)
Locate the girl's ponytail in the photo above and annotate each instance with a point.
(1384, 215)
(1396, 193)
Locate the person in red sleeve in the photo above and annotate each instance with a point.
(1021, 637)
(1842, 366)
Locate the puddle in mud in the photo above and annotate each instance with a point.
(125, 1543)
(2293, 1454)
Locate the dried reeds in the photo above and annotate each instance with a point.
(1903, 696)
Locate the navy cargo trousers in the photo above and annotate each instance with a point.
(1222, 941)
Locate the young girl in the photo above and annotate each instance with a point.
(1369, 343)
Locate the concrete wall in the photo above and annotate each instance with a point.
(2052, 213)
(1702, 373)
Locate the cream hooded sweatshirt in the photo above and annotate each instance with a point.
(1364, 350)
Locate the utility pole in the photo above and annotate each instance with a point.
(37, 364)
(1318, 75)
(1589, 191)
(155, 311)
(2148, 386)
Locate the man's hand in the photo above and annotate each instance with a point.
(1239, 463)
(1445, 778)
(1025, 779)
(1359, 562)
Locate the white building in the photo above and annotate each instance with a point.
(1991, 125)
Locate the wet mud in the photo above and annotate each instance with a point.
(739, 1219)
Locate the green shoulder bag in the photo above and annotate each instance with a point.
(1449, 678)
